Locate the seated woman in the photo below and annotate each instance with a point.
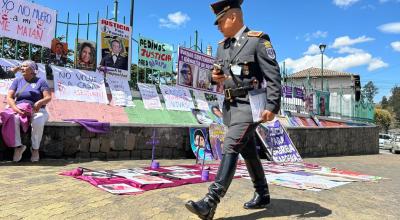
(35, 92)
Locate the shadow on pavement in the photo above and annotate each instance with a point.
(285, 207)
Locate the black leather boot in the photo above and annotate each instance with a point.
(205, 208)
(261, 196)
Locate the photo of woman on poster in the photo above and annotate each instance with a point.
(200, 145)
(86, 55)
(186, 74)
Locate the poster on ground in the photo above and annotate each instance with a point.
(199, 144)
(115, 48)
(177, 98)
(79, 85)
(193, 70)
(277, 142)
(85, 55)
(217, 137)
(150, 97)
(27, 21)
(155, 55)
(120, 91)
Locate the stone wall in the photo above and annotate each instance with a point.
(317, 142)
(129, 141)
(64, 140)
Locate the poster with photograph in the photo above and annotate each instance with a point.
(199, 144)
(28, 22)
(146, 179)
(322, 101)
(217, 137)
(119, 188)
(115, 48)
(59, 53)
(277, 142)
(85, 55)
(155, 55)
(193, 70)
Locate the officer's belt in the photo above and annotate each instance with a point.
(230, 93)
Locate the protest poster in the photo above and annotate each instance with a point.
(85, 55)
(119, 188)
(177, 98)
(28, 22)
(155, 55)
(201, 101)
(7, 64)
(322, 101)
(193, 70)
(199, 144)
(58, 53)
(115, 48)
(277, 142)
(79, 85)
(120, 91)
(150, 97)
(217, 136)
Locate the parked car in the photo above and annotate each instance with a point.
(385, 141)
(395, 145)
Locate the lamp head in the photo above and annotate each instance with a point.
(322, 47)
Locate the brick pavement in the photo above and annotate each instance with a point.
(36, 191)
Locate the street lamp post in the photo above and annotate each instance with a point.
(322, 49)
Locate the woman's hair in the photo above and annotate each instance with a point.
(198, 132)
(31, 64)
(87, 44)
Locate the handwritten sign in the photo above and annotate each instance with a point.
(26, 21)
(150, 97)
(120, 91)
(155, 55)
(79, 85)
(177, 98)
(277, 142)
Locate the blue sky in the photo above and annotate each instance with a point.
(363, 36)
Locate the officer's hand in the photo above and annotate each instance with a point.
(218, 76)
(267, 116)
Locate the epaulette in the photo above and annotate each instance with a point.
(255, 33)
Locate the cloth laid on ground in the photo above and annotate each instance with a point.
(303, 176)
(92, 125)
(8, 117)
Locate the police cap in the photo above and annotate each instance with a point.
(221, 7)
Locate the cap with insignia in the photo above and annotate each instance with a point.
(221, 7)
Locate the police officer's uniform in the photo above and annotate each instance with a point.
(247, 59)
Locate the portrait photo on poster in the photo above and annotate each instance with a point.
(85, 55)
(186, 74)
(59, 53)
(114, 52)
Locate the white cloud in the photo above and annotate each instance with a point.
(392, 28)
(336, 63)
(376, 63)
(384, 1)
(350, 50)
(347, 41)
(312, 50)
(344, 3)
(315, 35)
(396, 45)
(174, 20)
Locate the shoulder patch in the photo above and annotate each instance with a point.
(254, 33)
(267, 44)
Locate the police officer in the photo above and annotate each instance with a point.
(244, 60)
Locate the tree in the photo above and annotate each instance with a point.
(394, 102)
(383, 119)
(384, 102)
(369, 91)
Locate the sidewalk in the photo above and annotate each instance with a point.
(36, 191)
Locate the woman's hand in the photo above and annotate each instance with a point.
(37, 106)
